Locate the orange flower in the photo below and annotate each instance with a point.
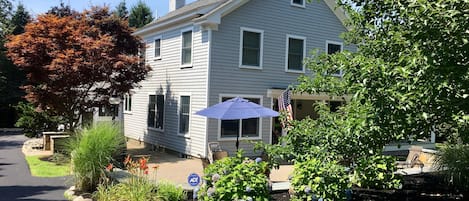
(109, 167)
(143, 164)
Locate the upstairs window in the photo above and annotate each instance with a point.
(332, 48)
(251, 49)
(186, 51)
(295, 53)
(157, 49)
(156, 111)
(299, 3)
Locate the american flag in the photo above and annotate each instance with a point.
(284, 104)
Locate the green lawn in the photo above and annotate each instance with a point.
(40, 168)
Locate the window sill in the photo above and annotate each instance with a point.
(298, 5)
(157, 59)
(187, 136)
(250, 67)
(127, 112)
(156, 129)
(295, 71)
(183, 66)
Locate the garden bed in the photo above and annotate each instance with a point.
(425, 187)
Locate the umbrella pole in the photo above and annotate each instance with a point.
(237, 142)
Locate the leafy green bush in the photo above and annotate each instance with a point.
(376, 172)
(314, 179)
(92, 151)
(169, 192)
(34, 122)
(235, 178)
(453, 161)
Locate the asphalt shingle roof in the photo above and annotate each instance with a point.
(187, 9)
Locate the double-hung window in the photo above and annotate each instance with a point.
(127, 103)
(156, 111)
(251, 48)
(184, 114)
(157, 48)
(246, 128)
(334, 47)
(186, 49)
(296, 52)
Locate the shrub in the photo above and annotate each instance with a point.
(139, 190)
(169, 192)
(314, 179)
(138, 187)
(235, 178)
(376, 172)
(34, 122)
(91, 151)
(453, 161)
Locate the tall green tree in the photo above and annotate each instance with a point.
(13, 76)
(140, 15)
(121, 10)
(411, 66)
(19, 19)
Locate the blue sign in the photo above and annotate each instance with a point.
(193, 179)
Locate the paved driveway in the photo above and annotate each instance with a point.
(16, 182)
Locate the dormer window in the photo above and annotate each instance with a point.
(299, 3)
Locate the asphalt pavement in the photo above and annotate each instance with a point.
(16, 182)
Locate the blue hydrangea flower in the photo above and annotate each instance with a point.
(215, 177)
(248, 189)
(210, 192)
(258, 160)
(307, 190)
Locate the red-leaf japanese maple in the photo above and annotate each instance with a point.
(76, 62)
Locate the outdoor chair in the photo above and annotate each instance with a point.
(413, 158)
(215, 152)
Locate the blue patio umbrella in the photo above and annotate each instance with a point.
(237, 108)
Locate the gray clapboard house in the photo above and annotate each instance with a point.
(212, 50)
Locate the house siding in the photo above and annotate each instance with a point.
(277, 19)
(169, 79)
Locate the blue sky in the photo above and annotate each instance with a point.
(36, 7)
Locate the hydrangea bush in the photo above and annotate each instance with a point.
(236, 178)
(317, 179)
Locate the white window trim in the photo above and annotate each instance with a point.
(219, 138)
(186, 135)
(189, 65)
(286, 53)
(298, 5)
(130, 94)
(261, 54)
(341, 49)
(164, 113)
(154, 46)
